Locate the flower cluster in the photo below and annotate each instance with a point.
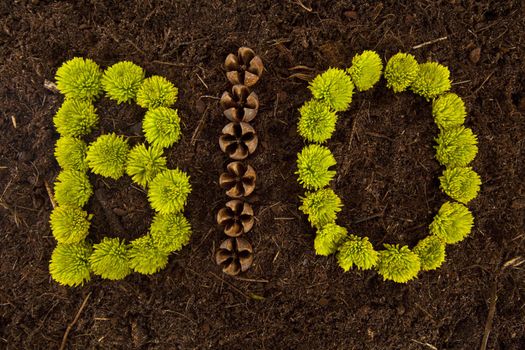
(456, 148)
(74, 258)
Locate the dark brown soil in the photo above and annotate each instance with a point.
(290, 299)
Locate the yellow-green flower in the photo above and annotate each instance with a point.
(366, 70)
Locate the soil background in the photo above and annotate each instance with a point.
(387, 177)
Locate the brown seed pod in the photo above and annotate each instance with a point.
(244, 68)
(238, 140)
(238, 180)
(234, 255)
(240, 105)
(236, 217)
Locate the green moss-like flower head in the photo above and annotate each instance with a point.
(168, 191)
(432, 80)
(122, 80)
(365, 70)
(75, 118)
(110, 259)
(107, 155)
(461, 183)
(156, 91)
(452, 223)
(431, 252)
(146, 257)
(321, 207)
(456, 146)
(170, 232)
(161, 126)
(317, 121)
(313, 164)
(401, 71)
(69, 263)
(70, 153)
(72, 188)
(334, 87)
(144, 163)
(357, 251)
(328, 238)
(448, 111)
(79, 78)
(69, 224)
(398, 264)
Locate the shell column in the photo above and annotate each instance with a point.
(238, 141)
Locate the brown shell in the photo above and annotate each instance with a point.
(244, 68)
(239, 180)
(240, 105)
(236, 217)
(238, 140)
(234, 255)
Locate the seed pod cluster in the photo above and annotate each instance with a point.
(238, 141)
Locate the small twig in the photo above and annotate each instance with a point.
(430, 346)
(298, 2)
(199, 127)
(136, 47)
(50, 194)
(490, 316)
(182, 65)
(275, 106)
(51, 86)
(202, 81)
(381, 136)
(483, 83)
(72, 324)
(251, 280)
(209, 96)
(379, 215)
(430, 42)
(231, 285)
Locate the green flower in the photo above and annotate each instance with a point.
(156, 91)
(328, 238)
(448, 111)
(317, 121)
(461, 184)
(170, 232)
(72, 188)
(452, 223)
(144, 163)
(110, 259)
(321, 207)
(69, 224)
(122, 80)
(313, 164)
(69, 263)
(334, 87)
(456, 146)
(75, 118)
(431, 252)
(432, 80)
(357, 251)
(71, 153)
(161, 126)
(169, 191)
(365, 70)
(79, 78)
(401, 71)
(107, 155)
(398, 264)
(146, 257)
